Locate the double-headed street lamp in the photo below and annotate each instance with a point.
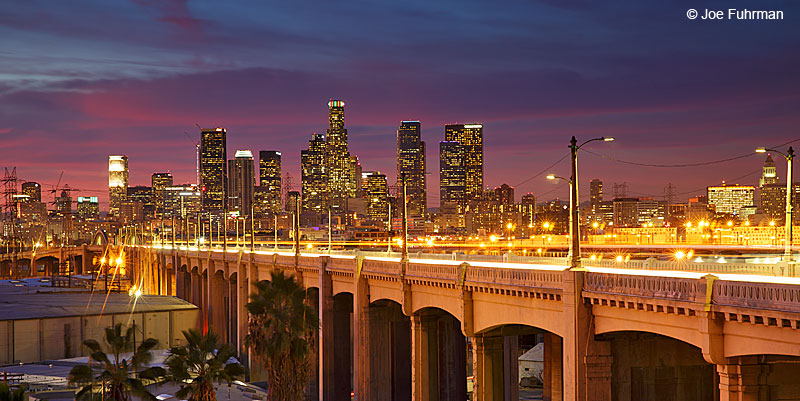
(574, 218)
(789, 155)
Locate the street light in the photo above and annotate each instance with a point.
(574, 227)
(789, 155)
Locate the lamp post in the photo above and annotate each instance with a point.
(574, 217)
(789, 155)
(404, 257)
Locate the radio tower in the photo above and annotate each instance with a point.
(287, 186)
(10, 213)
(620, 190)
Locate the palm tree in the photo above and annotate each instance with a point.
(117, 375)
(281, 331)
(8, 394)
(199, 364)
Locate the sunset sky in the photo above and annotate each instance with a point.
(80, 80)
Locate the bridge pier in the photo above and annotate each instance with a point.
(552, 373)
(744, 379)
(495, 367)
(439, 366)
(218, 304)
(387, 361)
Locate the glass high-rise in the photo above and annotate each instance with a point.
(470, 137)
(315, 177)
(160, 181)
(376, 192)
(452, 175)
(341, 183)
(411, 163)
(213, 168)
(241, 182)
(269, 172)
(117, 182)
(33, 190)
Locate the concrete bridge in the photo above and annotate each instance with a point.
(416, 330)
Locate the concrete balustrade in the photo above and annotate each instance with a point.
(417, 330)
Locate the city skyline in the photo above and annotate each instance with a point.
(553, 193)
(679, 90)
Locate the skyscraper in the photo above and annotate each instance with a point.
(213, 168)
(452, 176)
(33, 190)
(241, 182)
(411, 162)
(376, 191)
(595, 192)
(269, 172)
(770, 173)
(143, 197)
(470, 136)
(314, 175)
(341, 184)
(117, 182)
(504, 194)
(160, 181)
(88, 207)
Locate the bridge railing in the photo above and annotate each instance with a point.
(769, 296)
(683, 289)
(718, 266)
(687, 266)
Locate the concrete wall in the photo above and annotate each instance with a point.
(33, 340)
(653, 367)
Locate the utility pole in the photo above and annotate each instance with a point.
(297, 224)
(210, 233)
(275, 230)
(330, 229)
(389, 232)
(252, 230)
(405, 221)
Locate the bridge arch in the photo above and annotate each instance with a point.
(646, 366)
(100, 238)
(425, 304)
(686, 333)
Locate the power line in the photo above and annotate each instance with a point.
(683, 165)
(543, 171)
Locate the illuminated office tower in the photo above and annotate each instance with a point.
(595, 192)
(731, 199)
(88, 208)
(241, 182)
(117, 182)
(773, 201)
(269, 173)
(160, 181)
(470, 136)
(452, 175)
(355, 174)
(182, 200)
(769, 174)
(411, 162)
(143, 197)
(314, 176)
(376, 192)
(213, 168)
(341, 183)
(33, 190)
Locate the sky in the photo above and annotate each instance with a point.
(81, 80)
